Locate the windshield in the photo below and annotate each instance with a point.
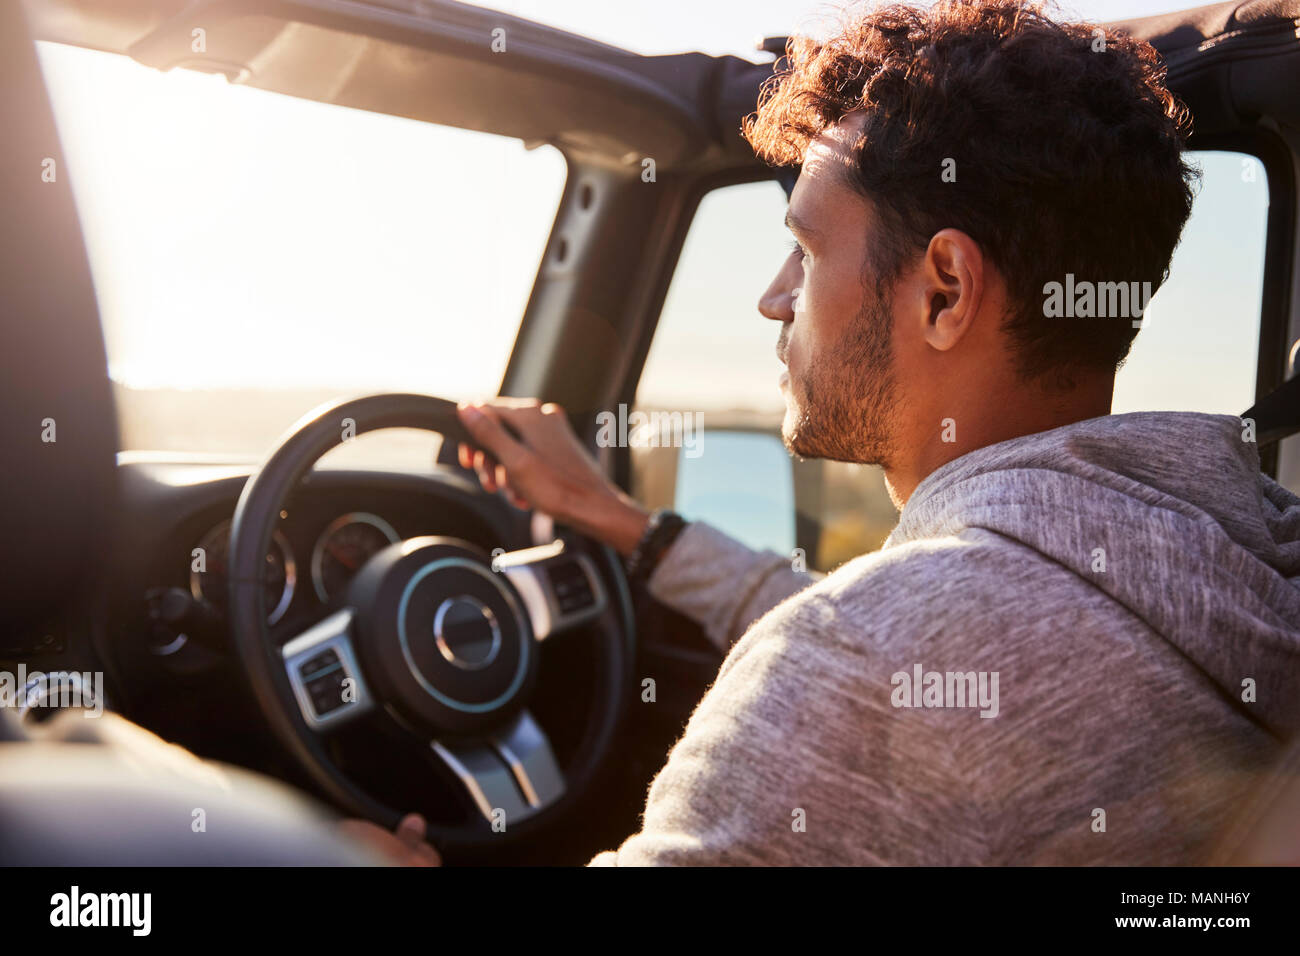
(255, 254)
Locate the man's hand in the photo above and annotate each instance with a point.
(547, 468)
(405, 846)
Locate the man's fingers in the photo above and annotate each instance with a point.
(410, 829)
(411, 832)
(392, 847)
(426, 855)
(516, 499)
(486, 468)
(488, 430)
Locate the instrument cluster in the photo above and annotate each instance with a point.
(339, 550)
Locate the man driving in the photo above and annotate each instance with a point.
(1079, 644)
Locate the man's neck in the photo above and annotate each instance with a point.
(991, 422)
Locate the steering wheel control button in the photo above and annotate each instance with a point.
(326, 660)
(561, 589)
(324, 678)
(573, 590)
(467, 632)
(324, 674)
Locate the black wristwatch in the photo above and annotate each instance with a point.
(660, 532)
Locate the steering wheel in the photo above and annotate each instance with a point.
(443, 637)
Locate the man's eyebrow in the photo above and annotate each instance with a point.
(797, 225)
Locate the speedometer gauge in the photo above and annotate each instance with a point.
(209, 580)
(347, 542)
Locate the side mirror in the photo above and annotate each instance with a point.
(741, 482)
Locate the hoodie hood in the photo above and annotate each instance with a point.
(1169, 515)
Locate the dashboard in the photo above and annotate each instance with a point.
(156, 637)
(178, 537)
(157, 641)
(340, 549)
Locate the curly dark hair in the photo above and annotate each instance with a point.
(1068, 152)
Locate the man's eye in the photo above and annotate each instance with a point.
(795, 247)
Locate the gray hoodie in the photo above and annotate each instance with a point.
(1078, 647)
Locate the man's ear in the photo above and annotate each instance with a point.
(952, 281)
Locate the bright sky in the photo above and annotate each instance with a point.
(348, 249)
(359, 251)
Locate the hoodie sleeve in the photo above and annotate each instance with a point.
(797, 756)
(722, 584)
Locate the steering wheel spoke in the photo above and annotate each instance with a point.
(509, 777)
(324, 673)
(560, 588)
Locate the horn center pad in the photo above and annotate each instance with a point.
(445, 637)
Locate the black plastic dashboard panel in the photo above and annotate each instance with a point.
(168, 509)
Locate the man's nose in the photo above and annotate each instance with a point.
(777, 302)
